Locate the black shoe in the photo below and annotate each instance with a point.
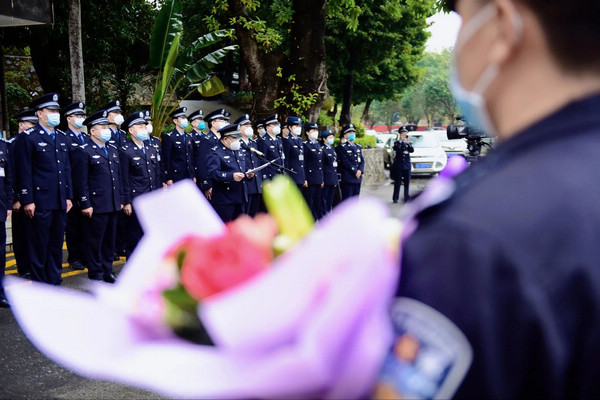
(110, 278)
(395, 201)
(116, 257)
(77, 266)
(26, 275)
(4, 303)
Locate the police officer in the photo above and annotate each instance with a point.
(293, 148)
(154, 141)
(260, 128)
(6, 201)
(140, 173)
(97, 181)
(26, 119)
(115, 117)
(400, 170)
(313, 167)
(118, 139)
(330, 173)
(272, 147)
(351, 162)
(43, 173)
(178, 149)
(227, 170)
(75, 115)
(216, 120)
(252, 161)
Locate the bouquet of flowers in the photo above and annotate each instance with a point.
(269, 307)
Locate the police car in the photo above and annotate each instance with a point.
(429, 156)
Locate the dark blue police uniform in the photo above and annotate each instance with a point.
(400, 169)
(154, 141)
(19, 219)
(43, 172)
(204, 147)
(313, 167)
(228, 196)
(294, 159)
(254, 185)
(6, 199)
(350, 160)
(97, 182)
(512, 259)
(330, 175)
(177, 153)
(75, 220)
(272, 148)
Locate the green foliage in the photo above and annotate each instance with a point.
(366, 141)
(325, 119)
(178, 67)
(293, 99)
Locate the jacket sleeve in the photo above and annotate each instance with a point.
(80, 178)
(68, 171)
(166, 149)
(125, 188)
(214, 169)
(344, 160)
(23, 157)
(8, 179)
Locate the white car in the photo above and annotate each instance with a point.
(383, 138)
(452, 147)
(429, 157)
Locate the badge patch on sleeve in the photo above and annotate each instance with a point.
(429, 358)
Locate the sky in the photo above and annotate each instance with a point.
(444, 28)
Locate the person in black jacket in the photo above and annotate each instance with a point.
(330, 172)
(508, 252)
(400, 170)
(97, 184)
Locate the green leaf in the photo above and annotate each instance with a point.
(167, 26)
(204, 67)
(170, 65)
(182, 316)
(210, 87)
(189, 55)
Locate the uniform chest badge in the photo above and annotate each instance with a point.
(136, 158)
(42, 144)
(95, 156)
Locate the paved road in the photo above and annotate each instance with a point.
(26, 373)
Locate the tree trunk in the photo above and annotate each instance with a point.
(365, 116)
(4, 111)
(345, 116)
(307, 50)
(76, 52)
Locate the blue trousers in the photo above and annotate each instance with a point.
(253, 204)
(99, 237)
(327, 199)
(20, 242)
(2, 256)
(228, 212)
(45, 233)
(74, 235)
(349, 190)
(313, 198)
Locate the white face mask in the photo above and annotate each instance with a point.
(249, 132)
(296, 130)
(78, 122)
(235, 146)
(105, 135)
(142, 134)
(314, 135)
(472, 103)
(149, 128)
(119, 119)
(276, 130)
(218, 125)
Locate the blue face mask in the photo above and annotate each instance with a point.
(201, 125)
(184, 123)
(472, 103)
(53, 119)
(142, 135)
(263, 132)
(78, 122)
(105, 135)
(330, 142)
(352, 137)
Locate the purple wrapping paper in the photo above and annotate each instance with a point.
(316, 325)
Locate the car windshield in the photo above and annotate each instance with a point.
(441, 135)
(424, 141)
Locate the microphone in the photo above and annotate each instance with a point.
(259, 153)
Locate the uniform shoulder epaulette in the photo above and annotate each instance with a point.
(7, 140)
(83, 146)
(29, 131)
(125, 147)
(168, 133)
(359, 146)
(111, 145)
(214, 148)
(62, 132)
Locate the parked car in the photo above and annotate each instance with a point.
(452, 147)
(382, 138)
(429, 157)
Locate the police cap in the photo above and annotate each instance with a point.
(179, 112)
(77, 108)
(232, 130)
(147, 116)
(113, 106)
(271, 120)
(311, 125)
(348, 128)
(260, 123)
(326, 133)
(402, 130)
(27, 115)
(198, 114)
(97, 118)
(244, 119)
(136, 118)
(294, 121)
(217, 114)
(49, 101)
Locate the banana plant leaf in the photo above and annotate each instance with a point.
(189, 55)
(168, 24)
(201, 69)
(210, 87)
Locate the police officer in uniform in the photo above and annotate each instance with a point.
(272, 147)
(400, 170)
(75, 115)
(26, 119)
(313, 166)
(293, 148)
(227, 170)
(118, 139)
(6, 200)
(178, 149)
(154, 141)
(351, 162)
(140, 173)
(252, 161)
(43, 173)
(330, 172)
(260, 128)
(216, 120)
(97, 181)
